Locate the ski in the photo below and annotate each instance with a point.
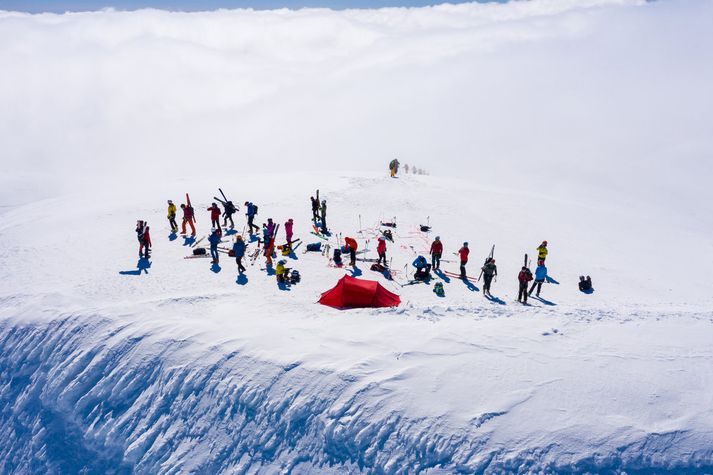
(319, 236)
(200, 256)
(197, 242)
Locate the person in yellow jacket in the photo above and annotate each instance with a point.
(172, 216)
(281, 271)
(394, 167)
(542, 253)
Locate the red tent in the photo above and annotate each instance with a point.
(353, 293)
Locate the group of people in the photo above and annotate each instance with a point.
(421, 264)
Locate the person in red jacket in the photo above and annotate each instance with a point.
(188, 218)
(381, 250)
(142, 233)
(352, 246)
(463, 252)
(436, 253)
(523, 278)
(215, 216)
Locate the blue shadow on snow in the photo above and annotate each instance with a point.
(215, 268)
(442, 276)
(172, 237)
(495, 300)
(242, 279)
(142, 266)
(546, 302)
(189, 240)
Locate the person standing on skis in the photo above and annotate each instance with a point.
(315, 209)
(323, 211)
(524, 278)
(352, 246)
(172, 216)
(228, 213)
(463, 253)
(214, 240)
(381, 250)
(250, 212)
(542, 253)
(214, 215)
(142, 234)
(188, 218)
(436, 253)
(394, 167)
(239, 251)
(540, 277)
(490, 270)
(288, 231)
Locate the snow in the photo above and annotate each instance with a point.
(582, 123)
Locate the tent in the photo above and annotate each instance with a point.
(356, 293)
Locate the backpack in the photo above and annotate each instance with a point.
(199, 251)
(438, 289)
(316, 247)
(377, 267)
(254, 209)
(295, 276)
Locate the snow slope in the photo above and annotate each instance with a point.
(182, 368)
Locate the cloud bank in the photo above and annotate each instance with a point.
(611, 95)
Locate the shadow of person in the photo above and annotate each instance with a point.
(588, 291)
(215, 268)
(469, 285)
(495, 300)
(269, 269)
(546, 302)
(142, 266)
(283, 286)
(442, 276)
(355, 271)
(189, 240)
(242, 279)
(172, 237)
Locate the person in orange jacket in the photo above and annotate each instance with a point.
(381, 250)
(463, 252)
(188, 218)
(352, 246)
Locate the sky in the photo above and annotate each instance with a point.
(60, 6)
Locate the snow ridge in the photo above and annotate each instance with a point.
(100, 396)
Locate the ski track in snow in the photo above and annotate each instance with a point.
(184, 370)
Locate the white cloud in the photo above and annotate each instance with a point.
(541, 93)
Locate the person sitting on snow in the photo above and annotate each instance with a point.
(423, 268)
(282, 272)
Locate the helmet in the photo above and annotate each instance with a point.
(465, 244)
(438, 238)
(238, 237)
(524, 268)
(282, 261)
(170, 202)
(544, 242)
(289, 220)
(492, 261)
(212, 204)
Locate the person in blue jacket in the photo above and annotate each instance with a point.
(540, 276)
(214, 240)
(239, 251)
(250, 212)
(423, 268)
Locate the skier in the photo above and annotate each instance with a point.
(490, 270)
(524, 277)
(315, 209)
(282, 272)
(323, 211)
(394, 167)
(540, 276)
(214, 240)
(406, 168)
(172, 216)
(436, 253)
(270, 227)
(381, 250)
(351, 246)
(214, 215)
(463, 252)
(250, 212)
(266, 236)
(288, 231)
(142, 234)
(542, 253)
(188, 218)
(423, 268)
(228, 213)
(239, 251)
(269, 249)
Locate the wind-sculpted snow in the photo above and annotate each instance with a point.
(92, 395)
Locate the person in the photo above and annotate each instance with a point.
(540, 276)
(315, 209)
(585, 285)
(270, 228)
(406, 168)
(288, 231)
(172, 216)
(269, 249)
(214, 215)
(463, 252)
(490, 270)
(188, 218)
(423, 268)
(351, 246)
(436, 253)
(524, 278)
(214, 240)
(250, 212)
(239, 251)
(323, 211)
(228, 213)
(266, 236)
(394, 167)
(381, 250)
(142, 234)
(282, 272)
(542, 253)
